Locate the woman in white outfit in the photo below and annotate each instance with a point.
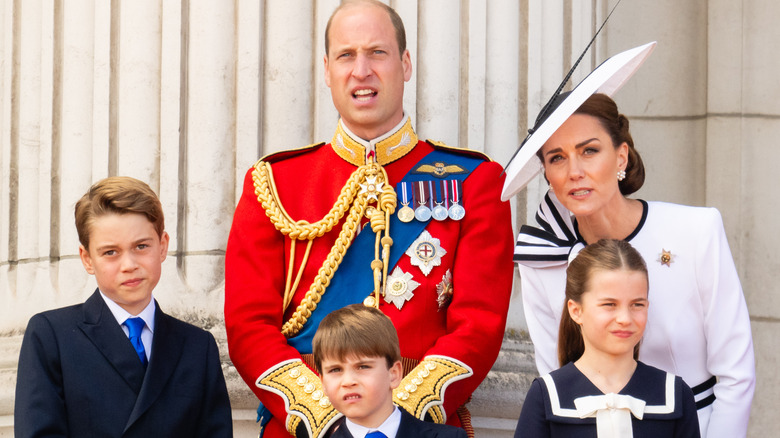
(698, 324)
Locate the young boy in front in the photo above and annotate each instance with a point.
(117, 366)
(357, 355)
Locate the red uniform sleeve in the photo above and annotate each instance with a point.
(254, 288)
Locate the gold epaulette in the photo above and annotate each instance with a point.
(304, 399)
(421, 392)
(471, 152)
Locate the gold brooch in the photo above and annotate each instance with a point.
(666, 258)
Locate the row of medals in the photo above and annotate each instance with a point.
(423, 213)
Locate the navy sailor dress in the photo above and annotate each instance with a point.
(565, 403)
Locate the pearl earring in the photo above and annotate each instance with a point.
(621, 175)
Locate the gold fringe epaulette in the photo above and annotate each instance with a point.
(421, 392)
(304, 399)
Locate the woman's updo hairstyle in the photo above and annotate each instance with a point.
(605, 110)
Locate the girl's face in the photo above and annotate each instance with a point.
(613, 312)
(581, 163)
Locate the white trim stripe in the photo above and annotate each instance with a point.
(557, 410)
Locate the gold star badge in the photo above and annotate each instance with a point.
(666, 258)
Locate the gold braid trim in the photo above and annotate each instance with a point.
(422, 390)
(367, 184)
(304, 399)
(265, 189)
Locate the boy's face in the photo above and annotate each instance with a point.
(125, 255)
(361, 388)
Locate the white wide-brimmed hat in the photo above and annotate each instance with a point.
(607, 79)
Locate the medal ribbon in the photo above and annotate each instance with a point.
(404, 189)
(445, 193)
(430, 195)
(420, 194)
(456, 187)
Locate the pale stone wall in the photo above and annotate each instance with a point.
(187, 94)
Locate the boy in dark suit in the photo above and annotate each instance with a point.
(117, 366)
(357, 355)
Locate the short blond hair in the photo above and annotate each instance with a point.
(356, 330)
(117, 195)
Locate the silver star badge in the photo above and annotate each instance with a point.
(372, 188)
(399, 288)
(426, 252)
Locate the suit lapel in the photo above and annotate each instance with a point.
(100, 326)
(342, 431)
(406, 428)
(167, 347)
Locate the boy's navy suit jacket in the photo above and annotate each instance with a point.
(411, 428)
(79, 376)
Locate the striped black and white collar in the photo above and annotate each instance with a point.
(557, 237)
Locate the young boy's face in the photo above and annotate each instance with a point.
(361, 388)
(125, 255)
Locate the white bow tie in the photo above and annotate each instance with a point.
(612, 412)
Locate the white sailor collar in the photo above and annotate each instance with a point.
(387, 148)
(660, 391)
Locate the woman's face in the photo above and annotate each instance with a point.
(613, 312)
(581, 164)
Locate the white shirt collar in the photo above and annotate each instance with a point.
(121, 314)
(389, 427)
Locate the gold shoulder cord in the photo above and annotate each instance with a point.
(366, 186)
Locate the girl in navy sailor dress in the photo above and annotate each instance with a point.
(603, 391)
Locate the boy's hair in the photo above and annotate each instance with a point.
(117, 195)
(356, 330)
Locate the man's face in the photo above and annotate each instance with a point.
(365, 71)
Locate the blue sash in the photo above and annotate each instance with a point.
(353, 281)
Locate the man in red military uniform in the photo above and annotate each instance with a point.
(375, 216)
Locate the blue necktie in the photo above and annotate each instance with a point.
(376, 434)
(136, 326)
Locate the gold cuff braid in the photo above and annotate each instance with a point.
(422, 390)
(302, 392)
(367, 184)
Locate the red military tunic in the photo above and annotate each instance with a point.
(308, 181)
